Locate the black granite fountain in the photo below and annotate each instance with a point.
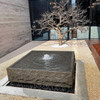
(53, 69)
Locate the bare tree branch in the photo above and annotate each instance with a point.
(60, 17)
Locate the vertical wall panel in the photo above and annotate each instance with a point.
(95, 32)
(14, 25)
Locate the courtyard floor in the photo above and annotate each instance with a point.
(82, 52)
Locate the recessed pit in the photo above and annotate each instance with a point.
(47, 68)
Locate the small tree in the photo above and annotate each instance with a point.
(62, 16)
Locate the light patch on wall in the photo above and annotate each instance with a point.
(73, 3)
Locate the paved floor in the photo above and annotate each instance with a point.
(9, 97)
(82, 52)
(22, 49)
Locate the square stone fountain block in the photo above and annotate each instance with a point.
(50, 68)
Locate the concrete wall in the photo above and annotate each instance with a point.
(14, 25)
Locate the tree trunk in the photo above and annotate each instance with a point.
(60, 37)
(60, 41)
